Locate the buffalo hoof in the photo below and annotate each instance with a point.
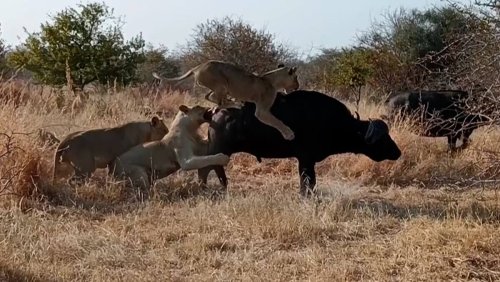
(307, 192)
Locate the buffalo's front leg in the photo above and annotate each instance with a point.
(465, 138)
(219, 170)
(307, 177)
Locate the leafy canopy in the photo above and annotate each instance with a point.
(88, 40)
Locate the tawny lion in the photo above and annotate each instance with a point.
(182, 148)
(225, 79)
(87, 150)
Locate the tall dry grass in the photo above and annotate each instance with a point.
(428, 216)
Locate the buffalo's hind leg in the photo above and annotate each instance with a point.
(466, 138)
(452, 143)
(307, 178)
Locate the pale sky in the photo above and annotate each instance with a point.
(307, 25)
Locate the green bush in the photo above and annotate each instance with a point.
(87, 42)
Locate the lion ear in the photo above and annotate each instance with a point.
(155, 121)
(292, 70)
(184, 109)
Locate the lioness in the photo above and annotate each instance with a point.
(87, 150)
(182, 148)
(227, 79)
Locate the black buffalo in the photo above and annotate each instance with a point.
(323, 126)
(440, 113)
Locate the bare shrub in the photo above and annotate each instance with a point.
(20, 179)
(477, 67)
(237, 42)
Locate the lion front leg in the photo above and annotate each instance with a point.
(188, 161)
(264, 115)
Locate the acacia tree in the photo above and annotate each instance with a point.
(236, 42)
(87, 42)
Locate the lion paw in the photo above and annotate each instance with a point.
(288, 135)
(222, 159)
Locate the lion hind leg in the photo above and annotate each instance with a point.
(137, 177)
(215, 98)
(219, 96)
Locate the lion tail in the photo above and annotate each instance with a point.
(179, 78)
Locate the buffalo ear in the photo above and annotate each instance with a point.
(183, 108)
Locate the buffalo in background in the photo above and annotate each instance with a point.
(323, 126)
(440, 113)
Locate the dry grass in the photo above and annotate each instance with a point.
(428, 216)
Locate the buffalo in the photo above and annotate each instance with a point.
(323, 126)
(440, 113)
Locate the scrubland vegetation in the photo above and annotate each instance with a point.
(428, 216)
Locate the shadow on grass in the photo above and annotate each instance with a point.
(475, 211)
(8, 273)
(101, 196)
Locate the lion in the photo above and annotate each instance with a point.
(87, 150)
(182, 148)
(225, 79)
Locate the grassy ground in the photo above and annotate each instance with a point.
(428, 216)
